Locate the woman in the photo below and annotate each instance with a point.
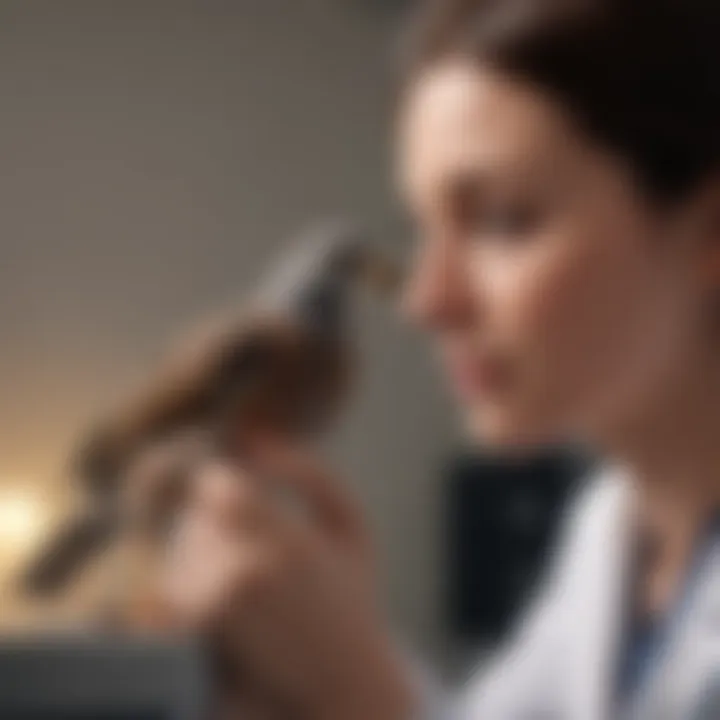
(560, 158)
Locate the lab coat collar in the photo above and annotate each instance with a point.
(601, 562)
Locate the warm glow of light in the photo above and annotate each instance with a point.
(22, 520)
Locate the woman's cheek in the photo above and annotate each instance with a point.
(546, 303)
(519, 293)
(534, 292)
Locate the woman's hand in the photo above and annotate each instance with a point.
(286, 591)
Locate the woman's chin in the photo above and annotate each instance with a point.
(506, 433)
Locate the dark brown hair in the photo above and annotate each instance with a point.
(640, 76)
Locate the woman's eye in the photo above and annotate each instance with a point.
(485, 217)
(505, 221)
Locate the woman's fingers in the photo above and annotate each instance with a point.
(227, 537)
(181, 471)
(280, 604)
(331, 505)
(203, 568)
(156, 482)
(230, 497)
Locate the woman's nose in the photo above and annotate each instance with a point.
(437, 294)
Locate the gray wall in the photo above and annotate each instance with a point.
(153, 155)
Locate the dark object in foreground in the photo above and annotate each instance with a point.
(100, 678)
(502, 519)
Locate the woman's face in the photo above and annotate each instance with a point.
(560, 302)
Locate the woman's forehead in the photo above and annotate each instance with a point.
(459, 119)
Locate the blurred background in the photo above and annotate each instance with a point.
(155, 155)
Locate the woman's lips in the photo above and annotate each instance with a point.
(476, 378)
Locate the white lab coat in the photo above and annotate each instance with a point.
(561, 663)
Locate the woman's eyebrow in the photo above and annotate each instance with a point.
(476, 180)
